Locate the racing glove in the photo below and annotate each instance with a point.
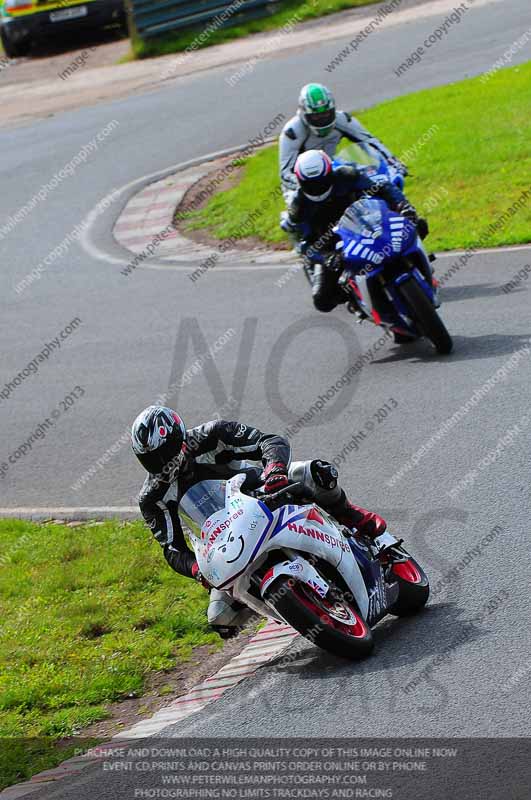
(275, 477)
(196, 575)
(286, 224)
(407, 210)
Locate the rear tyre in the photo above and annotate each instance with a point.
(413, 588)
(429, 322)
(336, 626)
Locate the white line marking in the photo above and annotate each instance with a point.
(71, 513)
(86, 239)
(95, 251)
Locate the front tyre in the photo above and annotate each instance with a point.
(413, 588)
(429, 322)
(334, 625)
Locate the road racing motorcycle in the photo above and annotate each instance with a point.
(386, 272)
(387, 275)
(289, 560)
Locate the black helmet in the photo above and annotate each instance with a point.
(158, 439)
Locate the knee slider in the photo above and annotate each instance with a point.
(221, 610)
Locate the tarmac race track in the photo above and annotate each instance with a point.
(274, 356)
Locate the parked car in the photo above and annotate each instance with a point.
(24, 22)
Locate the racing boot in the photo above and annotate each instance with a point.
(326, 293)
(367, 523)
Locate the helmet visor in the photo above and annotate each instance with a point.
(317, 188)
(321, 119)
(164, 461)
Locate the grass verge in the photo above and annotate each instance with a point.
(468, 146)
(88, 613)
(290, 12)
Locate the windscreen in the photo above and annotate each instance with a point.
(349, 151)
(203, 500)
(363, 217)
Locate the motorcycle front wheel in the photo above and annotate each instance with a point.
(334, 625)
(413, 588)
(425, 315)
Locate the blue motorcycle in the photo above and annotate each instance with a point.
(387, 274)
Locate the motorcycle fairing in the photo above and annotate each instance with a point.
(299, 569)
(381, 594)
(235, 540)
(374, 241)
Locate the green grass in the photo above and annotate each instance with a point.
(289, 12)
(474, 166)
(87, 614)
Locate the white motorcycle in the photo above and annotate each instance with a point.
(293, 562)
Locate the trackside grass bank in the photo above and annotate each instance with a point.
(289, 13)
(468, 147)
(88, 615)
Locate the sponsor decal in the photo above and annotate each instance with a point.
(240, 431)
(223, 526)
(223, 549)
(315, 533)
(295, 566)
(315, 586)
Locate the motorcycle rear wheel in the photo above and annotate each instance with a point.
(429, 322)
(335, 626)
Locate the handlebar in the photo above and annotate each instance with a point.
(276, 496)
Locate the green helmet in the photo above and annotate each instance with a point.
(317, 108)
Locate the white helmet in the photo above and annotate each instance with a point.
(313, 170)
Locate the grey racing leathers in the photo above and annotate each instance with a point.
(297, 138)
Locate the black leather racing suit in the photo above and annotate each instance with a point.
(221, 449)
(216, 449)
(313, 222)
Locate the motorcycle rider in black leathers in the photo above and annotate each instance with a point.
(176, 459)
(324, 194)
